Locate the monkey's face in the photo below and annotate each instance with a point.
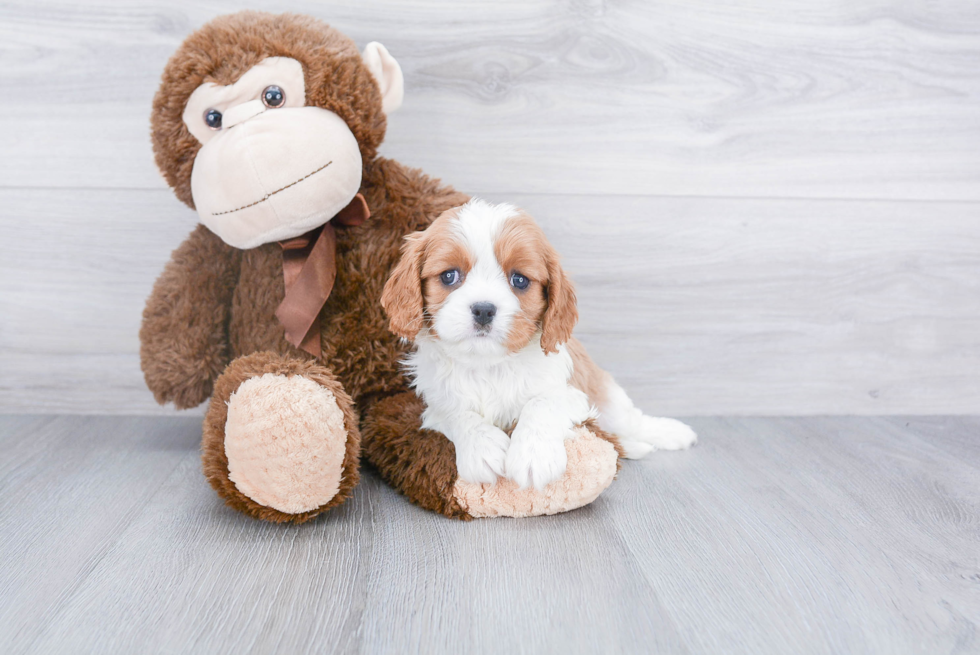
(269, 167)
(262, 123)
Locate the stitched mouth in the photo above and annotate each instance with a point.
(269, 195)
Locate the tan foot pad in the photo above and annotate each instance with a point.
(285, 442)
(591, 468)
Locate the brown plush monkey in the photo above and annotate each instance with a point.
(269, 127)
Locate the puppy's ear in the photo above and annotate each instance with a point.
(562, 313)
(402, 295)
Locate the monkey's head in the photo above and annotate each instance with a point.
(262, 123)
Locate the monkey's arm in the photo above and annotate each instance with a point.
(184, 336)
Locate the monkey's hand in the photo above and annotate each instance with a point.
(184, 338)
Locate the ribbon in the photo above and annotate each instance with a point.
(309, 269)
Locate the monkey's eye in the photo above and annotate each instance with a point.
(273, 97)
(213, 118)
(519, 281)
(451, 277)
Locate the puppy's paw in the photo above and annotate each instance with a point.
(535, 460)
(635, 449)
(664, 434)
(481, 455)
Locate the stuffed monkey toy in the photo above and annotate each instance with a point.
(269, 126)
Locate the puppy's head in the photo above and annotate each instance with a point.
(484, 279)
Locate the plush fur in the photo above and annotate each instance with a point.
(480, 373)
(209, 325)
(592, 456)
(213, 448)
(285, 439)
(420, 463)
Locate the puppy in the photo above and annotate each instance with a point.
(490, 310)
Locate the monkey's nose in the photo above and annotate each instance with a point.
(241, 113)
(483, 312)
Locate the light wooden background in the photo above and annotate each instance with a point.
(770, 207)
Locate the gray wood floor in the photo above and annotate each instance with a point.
(789, 535)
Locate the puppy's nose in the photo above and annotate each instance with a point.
(483, 312)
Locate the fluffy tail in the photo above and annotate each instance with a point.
(638, 433)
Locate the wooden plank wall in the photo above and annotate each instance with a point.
(769, 207)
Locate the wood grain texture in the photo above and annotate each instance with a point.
(854, 512)
(698, 305)
(685, 156)
(870, 99)
(802, 535)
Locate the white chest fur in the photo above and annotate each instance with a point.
(495, 388)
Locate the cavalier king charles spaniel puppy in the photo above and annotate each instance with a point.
(490, 310)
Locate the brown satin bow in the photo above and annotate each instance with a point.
(309, 268)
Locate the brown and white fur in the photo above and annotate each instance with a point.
(491, 312)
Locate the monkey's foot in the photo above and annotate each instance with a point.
(280, 439)
(592, 464)
(421, 464)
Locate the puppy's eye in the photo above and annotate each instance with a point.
(213, 119)
(518, 281)
(451, 277)
(273, 97)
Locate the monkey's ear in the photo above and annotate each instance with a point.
(387, 73)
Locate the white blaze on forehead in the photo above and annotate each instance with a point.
(478, 224)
